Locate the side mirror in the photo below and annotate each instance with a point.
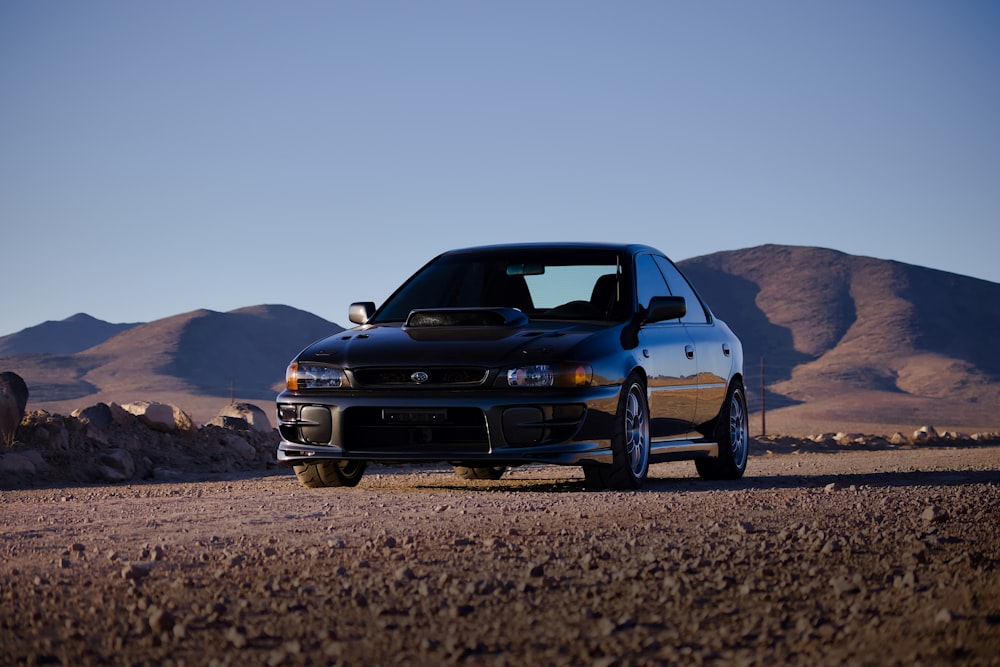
(663, 308)
(361, 312)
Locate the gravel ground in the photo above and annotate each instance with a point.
(857, 557)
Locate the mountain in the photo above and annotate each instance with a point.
(182, 359)
(846, 343)
(854, 340)
(68, 336)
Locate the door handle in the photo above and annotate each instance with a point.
(725, 349)
(689, 351)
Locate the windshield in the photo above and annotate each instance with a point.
(572, 284)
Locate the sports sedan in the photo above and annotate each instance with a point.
(596, 355)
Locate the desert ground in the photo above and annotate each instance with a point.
(861, 557)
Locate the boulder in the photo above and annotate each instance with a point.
(160, 416)
(238, 446)
(99, 416)
(925, 433)
(17, 463)
(117, 465)
(13, 400)
(251, 414)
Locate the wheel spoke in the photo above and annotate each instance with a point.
(636, 436)
(738, 429)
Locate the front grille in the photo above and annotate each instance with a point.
(407, 430)
(405, 377)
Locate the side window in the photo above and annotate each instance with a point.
(648, 280)
(679, 286)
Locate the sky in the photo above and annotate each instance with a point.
(161, 157)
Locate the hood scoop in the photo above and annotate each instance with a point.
(442, 324)
(465, 317)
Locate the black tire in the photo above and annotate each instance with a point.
(630, 443)
(330, 473)
(468, 472)
(732, 432)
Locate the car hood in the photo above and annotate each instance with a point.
(395, 344)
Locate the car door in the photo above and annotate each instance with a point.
(711, 347)
(668, 357)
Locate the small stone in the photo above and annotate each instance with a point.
(135, 571)
(944, 616)
(934, 514)
(537, 570)
(236, 636)
(844, 586)
(160, 620)
(831, 487)
(831, 546)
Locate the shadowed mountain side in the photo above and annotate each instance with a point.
(246, 349)
(962, 320)
(832, 326)
(74, 334)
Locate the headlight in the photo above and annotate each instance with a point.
(312, 376)
(550, 375)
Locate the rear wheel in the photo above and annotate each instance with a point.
(468, 472)
(330, 473)
(630, 443)
(732, 432)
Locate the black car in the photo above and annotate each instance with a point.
(597, 355)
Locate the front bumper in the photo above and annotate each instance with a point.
(469, 427)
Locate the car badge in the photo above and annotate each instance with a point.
(420, 377)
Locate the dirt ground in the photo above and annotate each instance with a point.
(886, 557)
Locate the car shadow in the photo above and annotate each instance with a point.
(948, 478)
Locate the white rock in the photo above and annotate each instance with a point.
(251, 414)
(160, 416)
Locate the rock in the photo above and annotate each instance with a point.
(925, 433)
(182, 421)
(934, 514)
(844, 585)
(238, 446)
(117, 465)
(251, 414)
(160, 416)
(13, 400)
(944, 616)
(16, 463)
(898, 438)
(231, 423)
(99, 416)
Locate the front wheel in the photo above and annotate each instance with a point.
(330, 473)
(630, 443)
(732, 432)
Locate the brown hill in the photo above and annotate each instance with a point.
(856, 343)
(74, 334)
(196, 360)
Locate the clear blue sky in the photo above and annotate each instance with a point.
(159, 157)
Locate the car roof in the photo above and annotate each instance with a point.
(628, 248)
